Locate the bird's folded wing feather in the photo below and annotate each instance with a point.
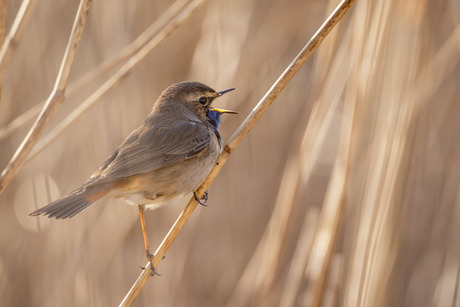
(148, 149)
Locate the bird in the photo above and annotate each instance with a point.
(168, 155)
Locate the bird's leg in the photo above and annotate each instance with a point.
(146, 241)
(203, 200)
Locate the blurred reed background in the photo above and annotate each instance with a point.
(346, 193)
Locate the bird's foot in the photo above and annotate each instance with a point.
(203, 200)
(152, 268)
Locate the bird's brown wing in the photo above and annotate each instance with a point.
(148, 149)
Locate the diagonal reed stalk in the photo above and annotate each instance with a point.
(235, 140)
(261, 274)
(12, 40)
(121, 57)
(53, 102)
(176, 21)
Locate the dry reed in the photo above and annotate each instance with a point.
(236, 139)
(56, 97)
(344, 194)
(14, 36)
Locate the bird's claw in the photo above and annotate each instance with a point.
(203, 200)
(152, 268)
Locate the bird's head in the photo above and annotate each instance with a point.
(198, 97)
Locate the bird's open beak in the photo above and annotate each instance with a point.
(223, 110)
(226, 91)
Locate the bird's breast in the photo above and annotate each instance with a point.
(156, 187)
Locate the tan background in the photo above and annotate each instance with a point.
(389, 72)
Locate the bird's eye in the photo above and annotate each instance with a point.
(203, 101)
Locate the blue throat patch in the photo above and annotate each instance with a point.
(214, 121)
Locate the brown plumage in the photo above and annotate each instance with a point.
(169, 154)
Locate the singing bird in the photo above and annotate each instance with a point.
(169, 154)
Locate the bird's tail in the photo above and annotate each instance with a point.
(73, 203)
